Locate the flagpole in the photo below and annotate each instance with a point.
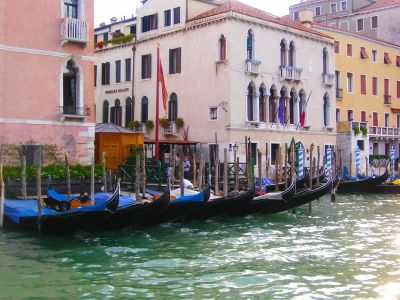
(157, 104)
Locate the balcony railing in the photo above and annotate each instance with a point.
(142, 128)
(253, 66)
(388, 132)
(171, 129)
(74, 112)
(328, 79)
(291, 73)
(339, 93)
(387, 99)
(348, 126)
(74, 30)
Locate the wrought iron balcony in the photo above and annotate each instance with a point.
(387, 99)
(328, 79)
(74, 112)
(253, 66)
(74, 30)
(171, 129)
(290, 73)
(339, 93)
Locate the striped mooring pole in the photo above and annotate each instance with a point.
(392, 159)
(358, 160)
(300, 166)
(329, 161)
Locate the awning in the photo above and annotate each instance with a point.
(387, 58)
(172, 142)
(364, 54)
(396, 110)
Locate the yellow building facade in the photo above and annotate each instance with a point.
(367, 79)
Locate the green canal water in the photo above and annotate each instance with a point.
(349, 249)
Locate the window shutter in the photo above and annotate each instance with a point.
(178, 62)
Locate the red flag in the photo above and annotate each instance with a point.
(302, 119)
(163, 87)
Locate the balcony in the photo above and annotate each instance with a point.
(339, 93)
(384, 132)
(253, 66)
(171, 129)
(72, 112)
(74, 30)
(142, 128)
(348, 126)
(290, 73)
(328, 79)
(387, 99)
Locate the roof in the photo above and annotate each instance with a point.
(247, 10)
(171, 142)
(379, 4)
(112, 128)
(363, 35)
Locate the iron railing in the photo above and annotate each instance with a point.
(74, 111)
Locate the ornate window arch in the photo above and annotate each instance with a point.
(252, 102)
(71, 91)
(283, 51)
(222, 47)
(327, 110)
(105, 111)
(250, 44)
(128, 111)
(292, 54)
(145, 110)
(173, 107)
(325, 61)
(272, 105)
(262, 103)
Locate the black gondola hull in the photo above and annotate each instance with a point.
(360, 186)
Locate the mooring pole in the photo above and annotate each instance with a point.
(201, 166)
(2, 194)
(181, 173)
(23, 176)
(277, 159)
(68, 175)
(39, 188)
(311, 174)
(216, 166)
(92, 178)
(103, 170)
(267, 161)
(225, 172)
(137, 175)
(318, 162)
(286, 166)
(260, 168)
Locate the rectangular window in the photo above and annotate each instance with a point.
(149, 23)
(295, 15)
(349, 50)
(95, 75)
(213, 113)
(70, 9)
(363, 53)
(274, 153)
(386, 87)
(343, 5)
(132, 29)
(128, 69)
(337, 47)
(105, 73)
(167, 18)
(318, 11)
(95, 39)
(146, 66)
(398, 121)
(386, 59)
(350, 116)
(374, 56)
(349, 82)
(375, 86)
(360, 24)
(333, 8)
(387, 118)
(398, 60)
(337, 115)
(363, 83)
(105, 36)
(375, 119)
(398, 89)
(363, 116)
(374, 22)
(360, 144)
(118, 71)
(175, 61)
(177, 15)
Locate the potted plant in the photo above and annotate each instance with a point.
(149, 125)
(364, 131)
(134, 125)
(179, 123)
(164, 123)
(100, 45)
(356, 131)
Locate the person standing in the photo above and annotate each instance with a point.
(186, 167)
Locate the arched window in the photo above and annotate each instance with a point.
(292, 102)
(105, 111)
(302, 107)
(70, 89)
(250, 44)
(250, 104)
(173, 107)
(326, 110)
(272, 107)
(145, 110)
(292, 52)
(118, 113)
(262, 105)
(128, 111)
(283, 52)
(325, 61)
(222, 48)
(282, 111)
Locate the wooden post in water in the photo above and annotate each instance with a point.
(201, 166)
(351, 166)
(249, 166)
(340, 163)
(311, 174)
(237, 174)
(286, 166)
(103, 171)
(92, 170)
(2, 193)
(277, 169)
(292, 167)
(225, 172)
(216, 166)
(173, 167)
(181, 174)
(137, 177)
(68, 176)
(143, 165)
(23, 176)
(366, 167)
(318, 162)
(259, 169)
(39, 188)
(267, 161)
(194, 168)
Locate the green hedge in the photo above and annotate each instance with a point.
(56, 172)
(378, 157)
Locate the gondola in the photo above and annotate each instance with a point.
(23, 214)
(133, 213)
(217, 206)
(357, 186)
(300, 183)
(180, 207)
(270, 202)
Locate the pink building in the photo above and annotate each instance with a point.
(46, 77)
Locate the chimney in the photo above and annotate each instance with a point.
(306, 17)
